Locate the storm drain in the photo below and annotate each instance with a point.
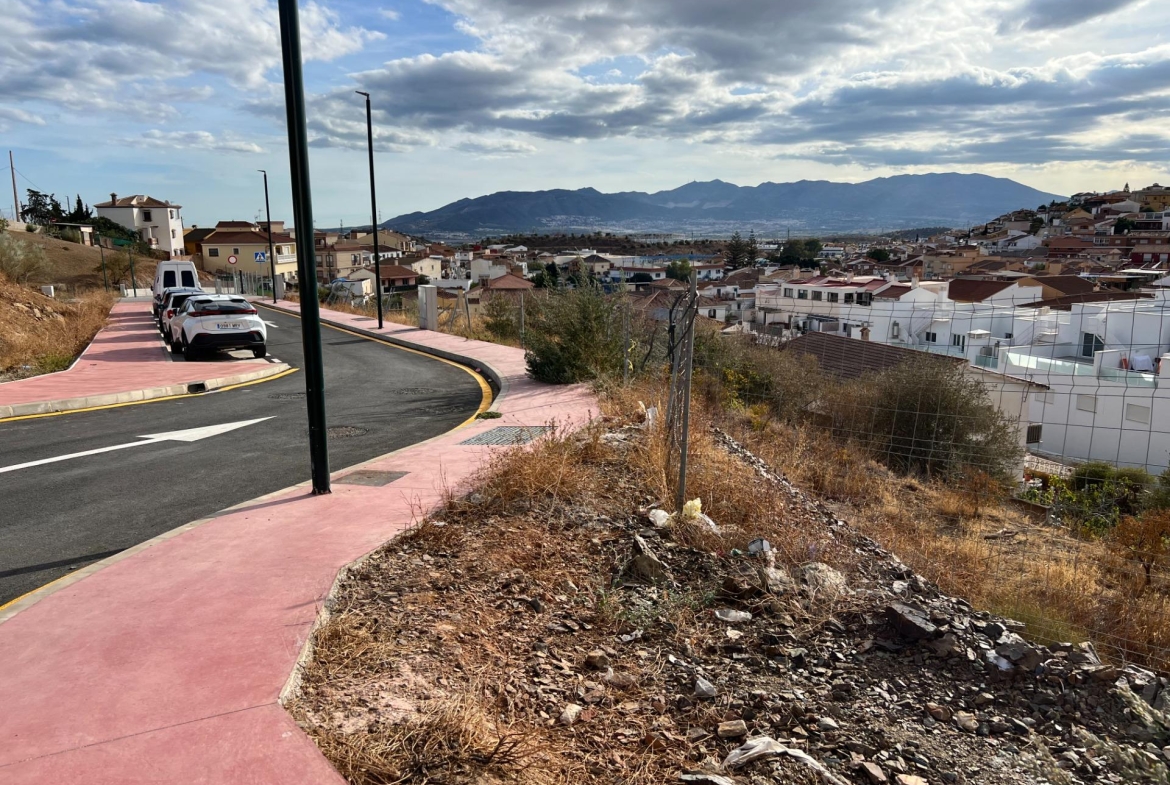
(507, 435)
(293, 396)
(346, 431)
(371, 477)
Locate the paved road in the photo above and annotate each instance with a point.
(59, 517)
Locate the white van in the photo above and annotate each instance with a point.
(170, 275)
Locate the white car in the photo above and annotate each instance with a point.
(212, 322)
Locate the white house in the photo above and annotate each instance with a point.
(159, 223)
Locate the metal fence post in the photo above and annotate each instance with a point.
(689, 321)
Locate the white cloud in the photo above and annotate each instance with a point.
(390, 13)
(192, 140)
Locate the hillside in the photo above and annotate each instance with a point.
(717, 207)
(39, 334)
(78, 267)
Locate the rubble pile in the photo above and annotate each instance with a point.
(718, 668)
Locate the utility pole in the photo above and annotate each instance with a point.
(15, 198)
(298, 151)
(373, 207)
(271, 249)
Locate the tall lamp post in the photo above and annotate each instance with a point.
(298, 150)
(373, 207)
(271, 249)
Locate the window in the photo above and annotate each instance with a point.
(834, 297)
(817, 295)
(1091, 344)
(802, 294)
(353, 257)
(1007, 336)
(188, 278)
(849, 298)
(1086, 403)
(959, 340)
(931, 337)
(1048, 398)
(173, 235)
(236, 251)
(172, 214)
(1137, 413)
(711, 313)
(1034, 434)
(213, 252)
(168, 279)
(788, 292)
(146, 215)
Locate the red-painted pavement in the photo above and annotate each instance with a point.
(125, 356)
(167, 664)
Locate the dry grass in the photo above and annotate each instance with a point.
(31, 345)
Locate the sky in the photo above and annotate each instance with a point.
(183, 100)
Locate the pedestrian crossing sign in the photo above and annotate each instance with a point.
(261, 257)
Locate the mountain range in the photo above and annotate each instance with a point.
(717, 207)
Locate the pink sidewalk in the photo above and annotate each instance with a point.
(125, 362)
(167, 664)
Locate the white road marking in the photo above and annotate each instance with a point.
(188, 435)
(271, 324)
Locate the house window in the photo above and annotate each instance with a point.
(173, 234)
(1091, 344)
(802, 294)
(848, 298)
(931, 337)
(1008, 336)
(959, 341)
(235, 251)
(213, 252)
(834, 297)
(1137, 413)
(711, 313)
(787, 292)
(1086, 403)
(353, 257)
(146, 215)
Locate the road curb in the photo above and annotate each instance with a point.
(133, 396)
(497, 380)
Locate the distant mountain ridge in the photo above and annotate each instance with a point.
(712, 207)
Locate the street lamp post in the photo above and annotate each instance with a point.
(298, 150)
(373, 207)
(271, 249)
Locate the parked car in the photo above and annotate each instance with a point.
(173, 300)
(170, 275)
(212, 322)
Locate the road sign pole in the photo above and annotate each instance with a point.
(298, 151)
(271, 248)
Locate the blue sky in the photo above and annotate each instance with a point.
(183, 100)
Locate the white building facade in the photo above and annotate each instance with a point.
(159, 223)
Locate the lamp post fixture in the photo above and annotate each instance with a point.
(373, 208)
(271, 249)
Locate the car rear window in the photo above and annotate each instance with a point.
(168, 278)
(177, 300)
(188, 278)
(226, 306)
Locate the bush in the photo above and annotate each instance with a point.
(19, 260)
(926, 416)
(574, 336)
(501, 317)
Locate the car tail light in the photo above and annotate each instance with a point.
(170, 312)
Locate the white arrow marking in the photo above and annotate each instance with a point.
(189, 435)
(271, 324)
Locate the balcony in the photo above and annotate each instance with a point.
(989, 361)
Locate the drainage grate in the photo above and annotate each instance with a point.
(346, 431)
(370, 477)
(294, 396)
(509, 435)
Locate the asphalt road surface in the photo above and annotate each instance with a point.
(60, 516)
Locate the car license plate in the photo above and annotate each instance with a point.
(228, 326)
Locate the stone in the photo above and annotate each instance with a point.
(706, 778)
(910, 622)
(827, 724)
(940, 713)
(645, 568)
(874, 773)
(909, 779)
(822, 579)
(571, 713)
(777, 580)
(597, 659)
(621, 680)
(966, 721)
(704, 688)
(732, 729)
(732, 616)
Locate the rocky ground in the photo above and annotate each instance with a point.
(595, 638)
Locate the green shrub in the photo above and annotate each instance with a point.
(501, 317)
(575, 335)
(19, 260)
